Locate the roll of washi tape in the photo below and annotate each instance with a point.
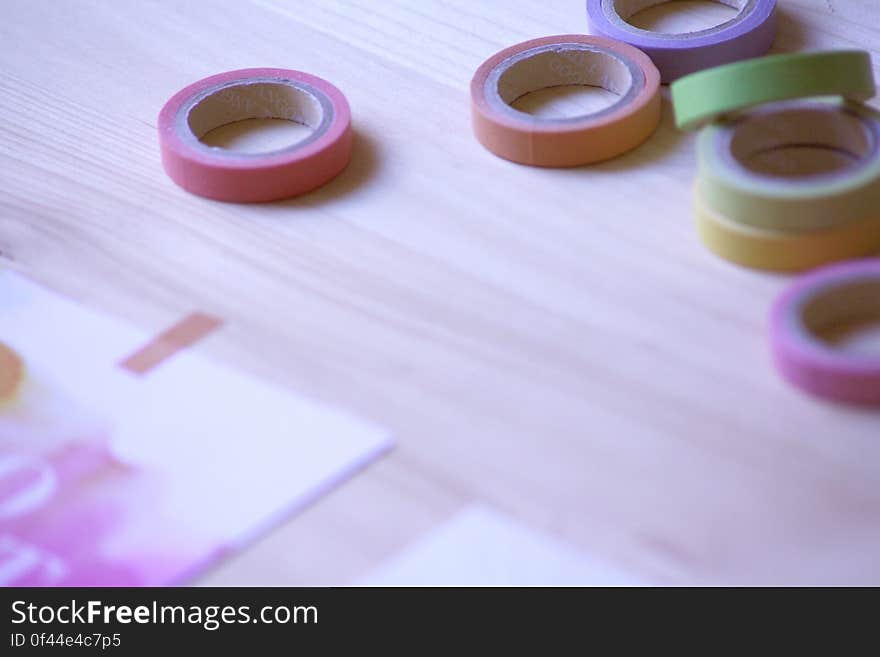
(11, 373)
(565, 60)
(785, 251)
(255, 93)
(749, 34)
(748, 175)
(805, 317)
(708, 95)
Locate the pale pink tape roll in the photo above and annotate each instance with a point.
(255, 93)
(818, 303)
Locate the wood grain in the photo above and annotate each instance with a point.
(555, 343)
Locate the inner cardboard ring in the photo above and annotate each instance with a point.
(563, 66)
(801, 141)
(254, 100)
(626, 9)
(832, 312)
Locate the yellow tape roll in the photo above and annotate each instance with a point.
(761, 248)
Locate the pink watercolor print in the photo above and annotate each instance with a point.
(60, 501)
(119, 467)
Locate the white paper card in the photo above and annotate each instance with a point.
(111, 478)
(482, 547)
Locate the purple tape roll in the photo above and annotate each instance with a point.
(749, 34)
(822, 303)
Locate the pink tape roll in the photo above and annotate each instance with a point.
(255, 93)
(818, 302)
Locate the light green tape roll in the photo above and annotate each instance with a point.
(707, 95)
(787, 201)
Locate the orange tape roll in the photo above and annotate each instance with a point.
(565, 60)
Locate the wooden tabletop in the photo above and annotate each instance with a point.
(554, 343)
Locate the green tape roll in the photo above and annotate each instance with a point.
(770, 199)
(707, 95)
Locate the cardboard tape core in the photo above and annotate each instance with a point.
(619, 13)
(834, 311)
(255, 99)
(801, 141)
(557, 65)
